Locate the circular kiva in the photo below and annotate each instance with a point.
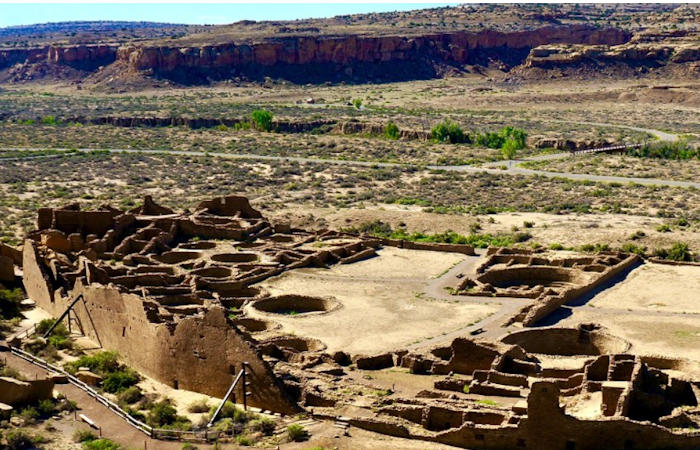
(567, 342)
(298, 344)
(295, 305)
(252, 325)
(177, 256)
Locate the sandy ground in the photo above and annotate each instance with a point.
(655, 287)
(650, 333)
(325, 436)
(383, 307)
(566, 229)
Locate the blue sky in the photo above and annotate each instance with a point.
(200, 13)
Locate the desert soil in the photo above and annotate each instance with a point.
(383, 307)
(655, 287)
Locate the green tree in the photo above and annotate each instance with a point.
(509, 148)
(261, 119)
(448, 131)
(357, 103)
(391, 131)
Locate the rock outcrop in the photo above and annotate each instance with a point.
(307, 58)
(347, 52)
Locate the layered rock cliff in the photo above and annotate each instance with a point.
(351, 57)
(334, 57)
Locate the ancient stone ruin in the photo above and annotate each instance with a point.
(171, 291)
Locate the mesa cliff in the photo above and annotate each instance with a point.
(338, 54)
(307, 58)
(527, 41)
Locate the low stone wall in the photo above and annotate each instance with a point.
(432, 246)
(15, 392)
(547, 305)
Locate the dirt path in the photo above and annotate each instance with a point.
(112, 426)
(511, 166)
(492, 325)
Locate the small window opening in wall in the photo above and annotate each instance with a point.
(520, 443)
(123, 331)
(629, 444)
(570, 445)
(479, 437)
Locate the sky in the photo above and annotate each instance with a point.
(200, 13)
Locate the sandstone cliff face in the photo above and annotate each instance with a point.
(449, 47)
(81, 55)
(86, 56)
(312, 58)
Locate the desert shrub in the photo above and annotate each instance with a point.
(120, 380)
(448, 131)
(629, 247)
(50, 120)
(46, 407)
(101, 444)
(102, 363)
(84, 436)
(225, 425)
(244, 440)
(637, 235)
(664, 228)
(680, 251)
(357, 103)
(200, 406)
(130, 395)
(264, 425)
(58, 340)
(161, 413)
(29, 414)
(666, 150)
(261, 120)
(10, 300)
(381, 229)
(231, 411)
(44, 325)
(297, 433)
(391, 131)
(19, 440)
